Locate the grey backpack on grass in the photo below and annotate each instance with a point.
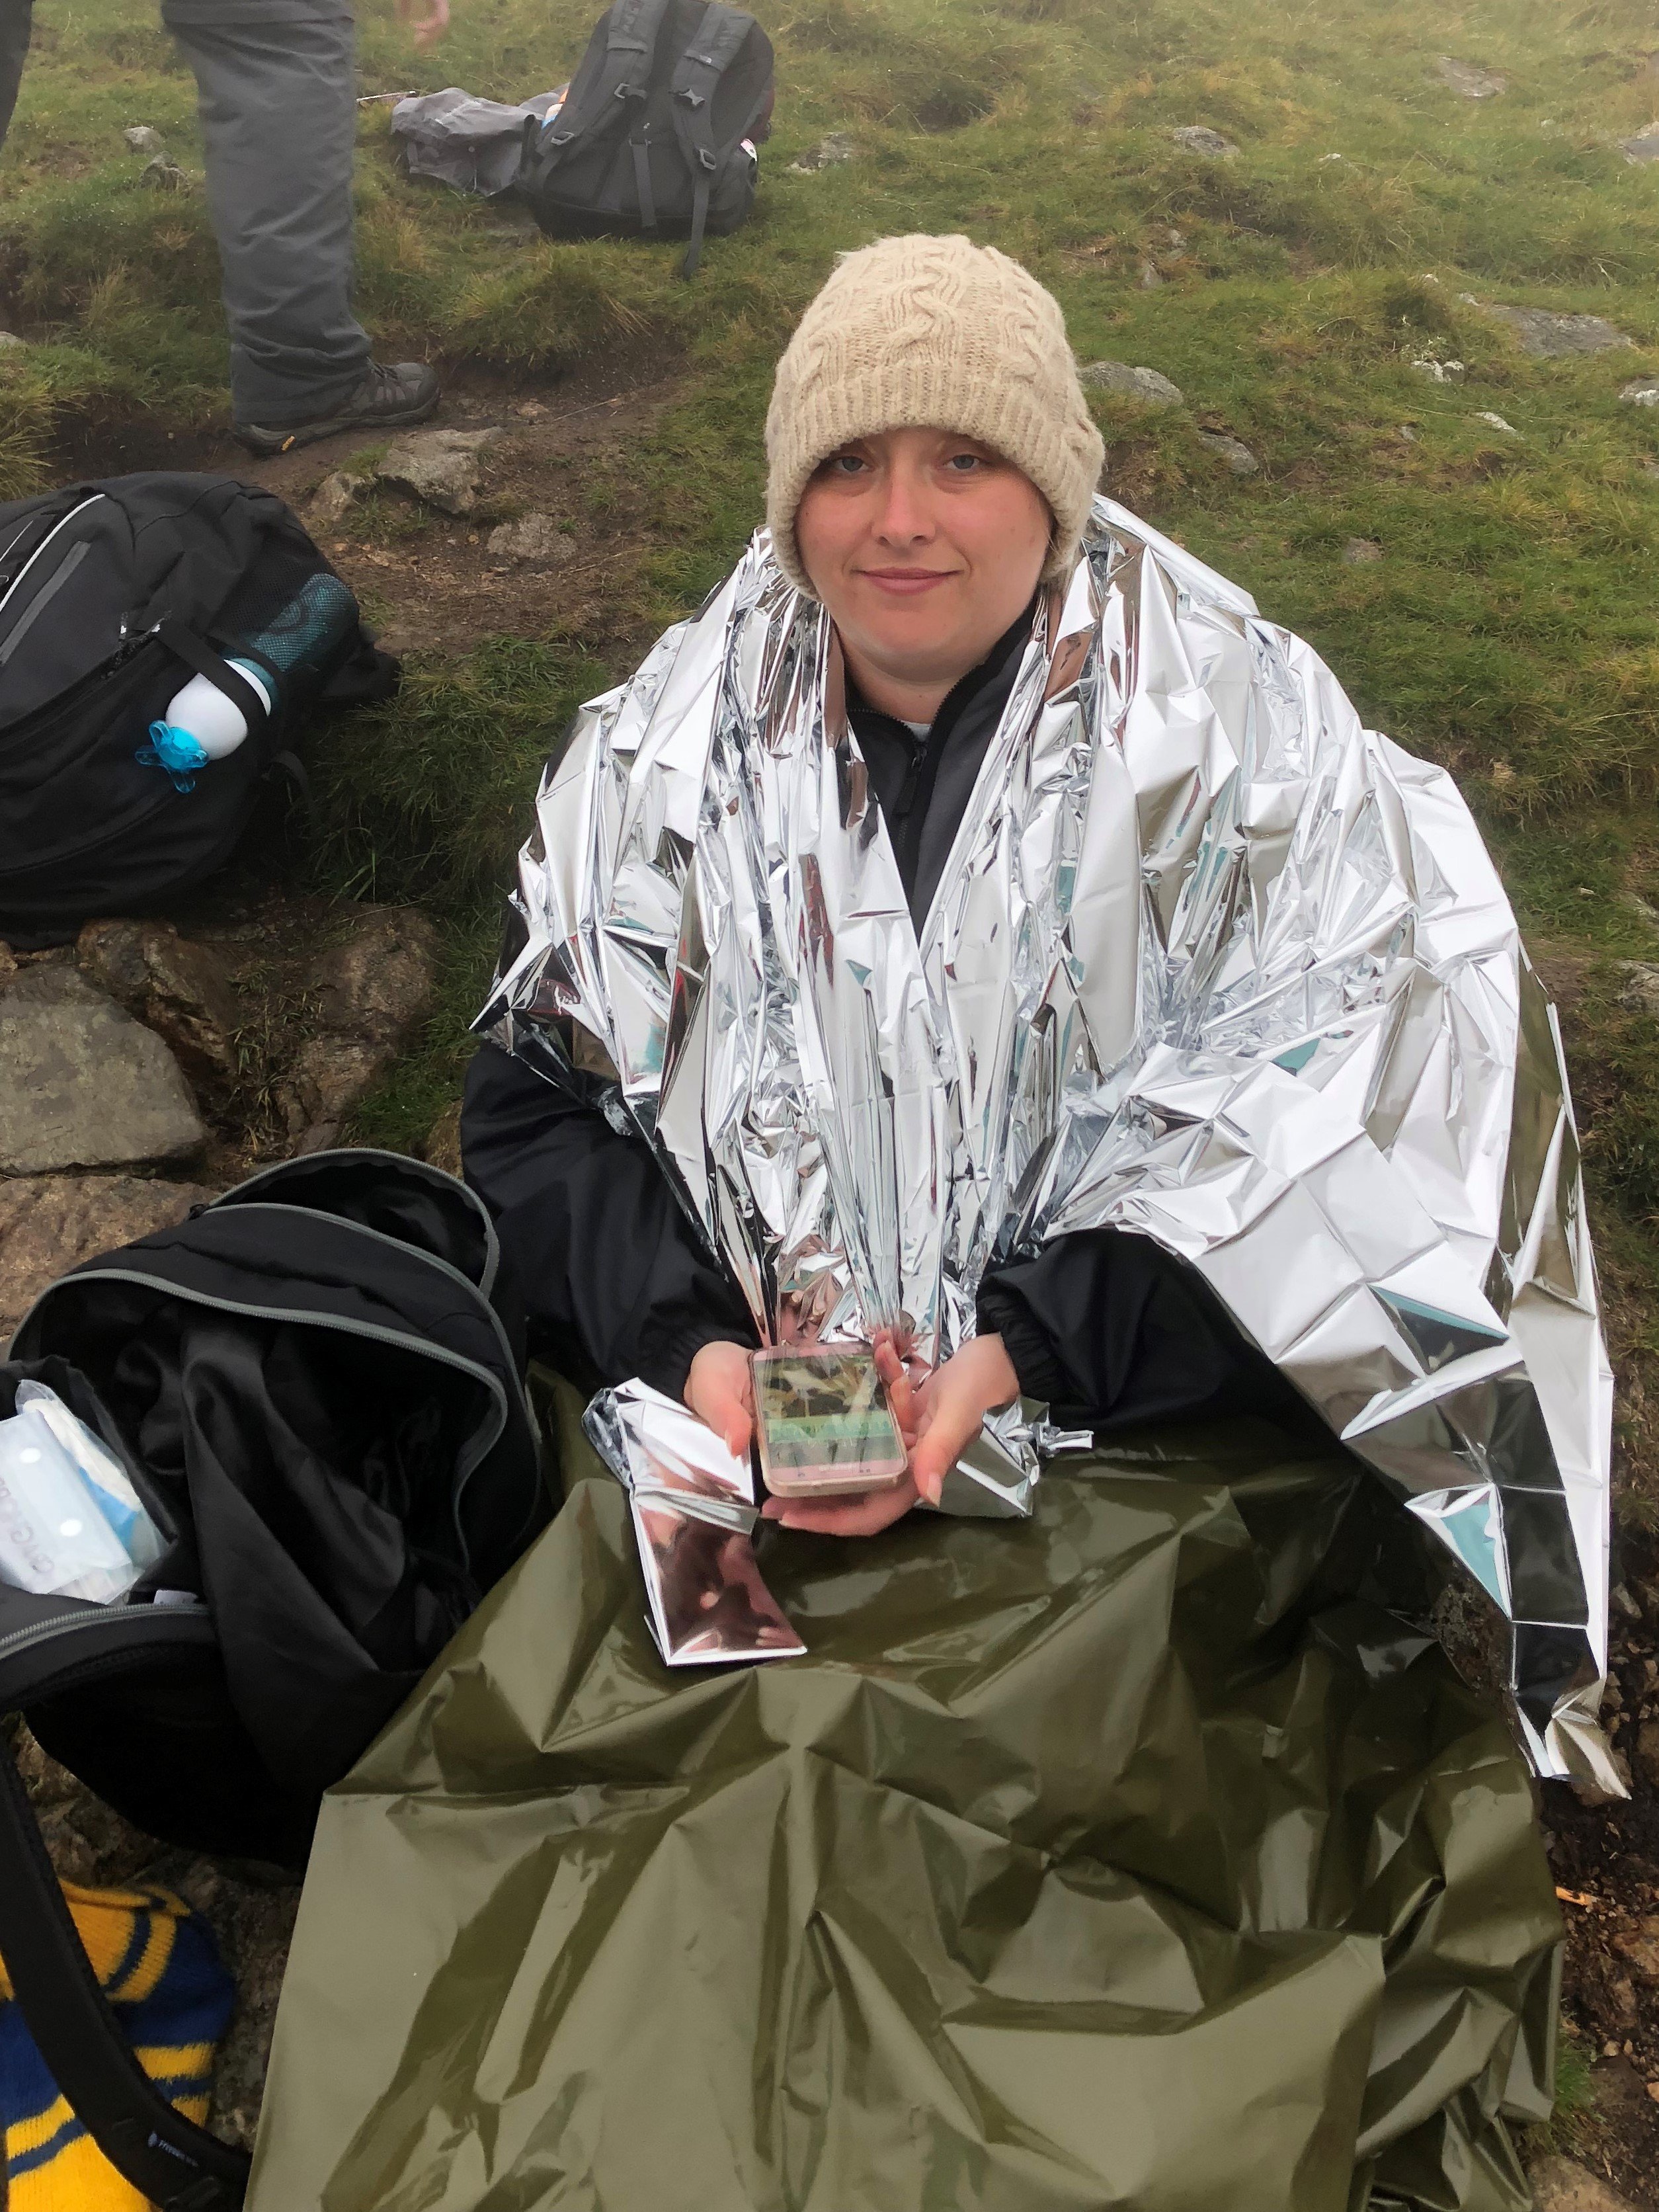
(657, 135)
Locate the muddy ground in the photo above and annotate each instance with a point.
(427, 579)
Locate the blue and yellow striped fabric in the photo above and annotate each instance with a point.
(157, 1962)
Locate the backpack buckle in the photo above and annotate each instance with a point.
(706, 158)
(691, 98)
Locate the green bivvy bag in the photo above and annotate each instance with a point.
(1144, 1855)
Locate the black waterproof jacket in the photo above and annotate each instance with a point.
(1107, 1328)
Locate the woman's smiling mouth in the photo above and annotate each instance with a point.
(904, 583)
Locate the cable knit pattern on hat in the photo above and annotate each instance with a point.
(933, 333)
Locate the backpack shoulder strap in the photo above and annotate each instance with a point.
(166, 2158)
(719, 39)
(633, 27)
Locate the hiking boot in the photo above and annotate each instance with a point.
(387, 397)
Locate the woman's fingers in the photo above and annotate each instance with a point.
(901, 1396)
(428, 27)
(935, 1454)
(719, 1390)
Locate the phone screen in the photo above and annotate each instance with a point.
(823, 1416)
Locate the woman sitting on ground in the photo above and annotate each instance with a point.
(978, 934)
(927, 545)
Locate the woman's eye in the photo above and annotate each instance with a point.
(847, 465)
(965, 464)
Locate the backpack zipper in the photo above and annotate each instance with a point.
(22, 1636)
(17, 583)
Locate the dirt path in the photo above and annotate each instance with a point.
(428, 580)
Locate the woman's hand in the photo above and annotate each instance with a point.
(720, 1391)
(866, 1514)
(939, 1417)
(430, 27)
(951, 1404)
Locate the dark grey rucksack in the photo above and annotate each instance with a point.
(658, 132)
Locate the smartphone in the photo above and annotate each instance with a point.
(824, 1425)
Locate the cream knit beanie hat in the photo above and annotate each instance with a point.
(933, 333)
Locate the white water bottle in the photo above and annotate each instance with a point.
(203, 712)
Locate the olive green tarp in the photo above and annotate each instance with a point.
(1138, 1855)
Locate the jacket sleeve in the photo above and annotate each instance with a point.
(614, 1279)
(1112, 1331)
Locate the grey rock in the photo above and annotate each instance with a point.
(8, 961)
(49, 1224)
(327, 1077)
(1650, 466)
(380, 979)
(1360, 550)
(1150, 276)
(1627, 2007)
(1440, 372)
(371, 992)
(1561, 2184)
(1550, 336)
(1644, 147)
(161, 174)
(1496, 422)
(8, 339)
(1640, 1945)
(1235, 453)
(336, 496)
(440, 466)
(1641, 391)
(834, 148)
(140, 139)
(1640, 990)
(1469, 79)
(532, 537)
(1634, 904)
(84, 1085)
(1199, 138)
(1145, 384)
(1407, 434)
(180, 990)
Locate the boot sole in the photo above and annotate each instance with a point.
(269, 443)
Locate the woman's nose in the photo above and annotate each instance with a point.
(905, 514)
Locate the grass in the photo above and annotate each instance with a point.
(1508, 630)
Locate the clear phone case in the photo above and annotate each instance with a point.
(824, 1425)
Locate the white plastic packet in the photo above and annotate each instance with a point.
(71, 1524)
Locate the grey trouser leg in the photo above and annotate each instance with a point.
(13, 51)
(278, 108)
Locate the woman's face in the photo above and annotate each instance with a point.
(925, 547)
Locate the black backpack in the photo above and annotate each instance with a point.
(322, 1407)
(112, 594)
(651, 136)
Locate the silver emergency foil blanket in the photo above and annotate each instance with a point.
(693, 1513)
(1209, 963)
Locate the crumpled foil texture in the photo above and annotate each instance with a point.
(1209, 963)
